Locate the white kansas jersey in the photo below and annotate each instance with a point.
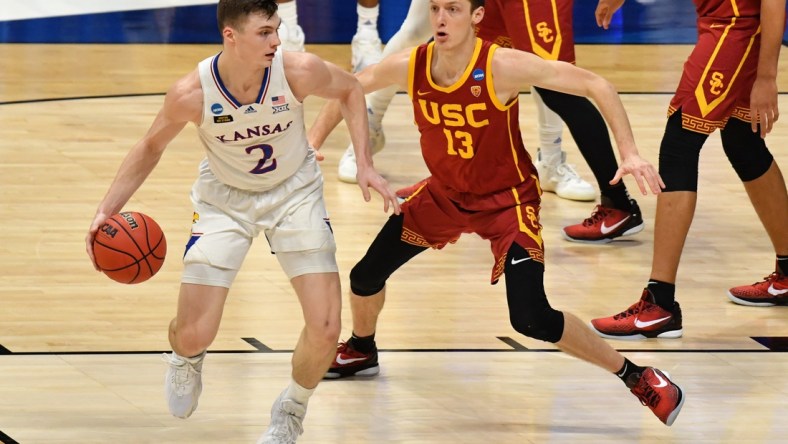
(252, 146)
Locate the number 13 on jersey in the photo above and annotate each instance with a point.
(465, 143)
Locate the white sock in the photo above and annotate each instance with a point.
(288, 14)
(550, 128)
(298, 393)
(368, 17)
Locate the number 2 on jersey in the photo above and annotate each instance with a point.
(268, 154)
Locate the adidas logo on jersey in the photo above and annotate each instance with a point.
(250, 110)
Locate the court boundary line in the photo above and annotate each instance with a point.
(515, 347)
(5, 439)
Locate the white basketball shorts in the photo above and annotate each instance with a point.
(292, 216)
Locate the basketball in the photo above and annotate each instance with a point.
(130, 247)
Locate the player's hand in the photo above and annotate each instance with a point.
(318, 155)
(763, 105)
(605, 10)
(368, 177)
(643, 171)
(98, 221)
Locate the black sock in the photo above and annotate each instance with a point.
(782, 265)
(627, 370)
(616, 197)
(362, 344)
(664, 293)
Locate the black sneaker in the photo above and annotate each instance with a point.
(351, 362)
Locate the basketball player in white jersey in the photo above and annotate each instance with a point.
(260, 175)
(555, 174)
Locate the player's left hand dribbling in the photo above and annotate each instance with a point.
(98, 221)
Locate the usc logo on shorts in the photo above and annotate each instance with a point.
(715, 84)
(195, 217)
(544, 31)
(530, 213)
(529, 223)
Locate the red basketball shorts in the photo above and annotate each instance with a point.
(433, 219)
(719, 74)
(540, 27)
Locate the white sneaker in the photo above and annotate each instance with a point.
(292, 38)
(347, 164)
(183, 383)
(365, 51)
(286, 422)
(556, 176)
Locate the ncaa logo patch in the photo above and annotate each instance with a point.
(217, 108)
(478, 74)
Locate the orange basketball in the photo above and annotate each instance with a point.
(130, 247)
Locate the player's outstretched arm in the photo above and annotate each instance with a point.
(392, 70)
(309, 75)
(182, 103)
(514, 70)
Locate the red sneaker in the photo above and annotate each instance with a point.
(644, 319)
(606, 224)
(656, 391)
(404, 193)
(351, 362)
(773, 290)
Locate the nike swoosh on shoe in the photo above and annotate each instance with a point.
(341, 361)
(775, 292)
(606, 230)
(644, 324)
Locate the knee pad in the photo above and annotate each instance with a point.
(679, 154)
(365, 282)
(539, 321)
(746, 150)
(386, 254)
(529, 311)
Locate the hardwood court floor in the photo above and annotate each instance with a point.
(79, 353)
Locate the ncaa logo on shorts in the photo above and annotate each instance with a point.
(217, 108)
(478, 74)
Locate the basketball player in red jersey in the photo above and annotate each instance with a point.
(545, 29)
(729, 82)
(465, 101)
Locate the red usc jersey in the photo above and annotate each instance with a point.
(470, 141)
(728, 8)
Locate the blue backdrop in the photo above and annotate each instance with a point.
(662, 21)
